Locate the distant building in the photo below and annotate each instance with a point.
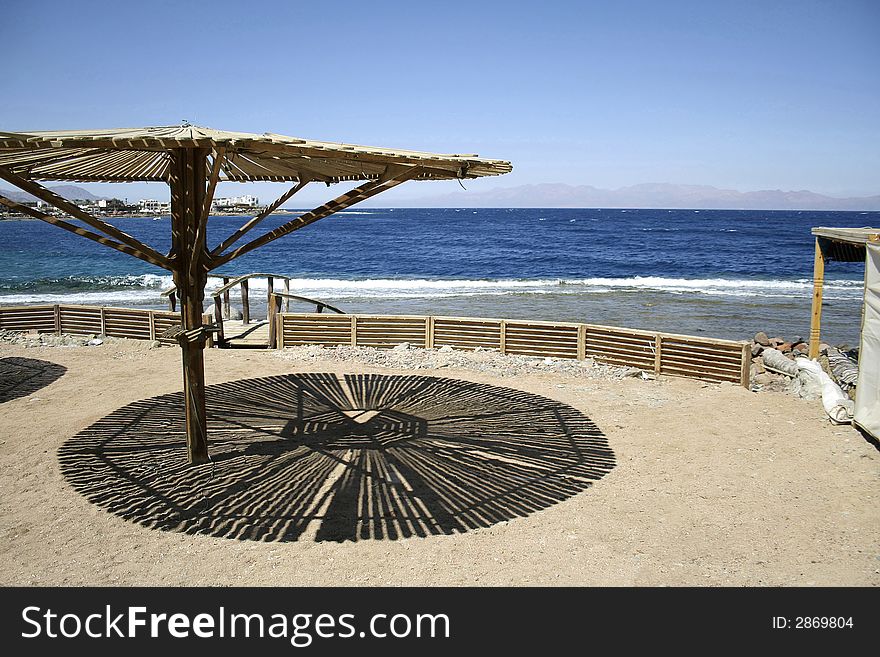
(151, 206)
(236, 202)
(113, 204)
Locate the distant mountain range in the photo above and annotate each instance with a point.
(70, 192)
(651, 195)
(559, 195)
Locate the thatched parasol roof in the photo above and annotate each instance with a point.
(142, 154)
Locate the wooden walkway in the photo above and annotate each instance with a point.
(253, 335)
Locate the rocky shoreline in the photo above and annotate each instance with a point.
(771, 378)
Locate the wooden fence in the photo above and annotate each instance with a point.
(87, 320)
(660, 353)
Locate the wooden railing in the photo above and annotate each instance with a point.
(275, 302)
(221, 297)
(660, 353)
(87, 320)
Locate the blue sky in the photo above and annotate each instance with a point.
(744, 95)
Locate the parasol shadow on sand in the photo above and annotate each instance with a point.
(20, 377)
(329, 457)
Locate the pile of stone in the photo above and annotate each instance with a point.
(766, 376)
(793, 348)
(761, 377)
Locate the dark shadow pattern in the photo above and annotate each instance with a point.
(334, 458)
(20, 377)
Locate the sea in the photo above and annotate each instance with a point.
(717, 273)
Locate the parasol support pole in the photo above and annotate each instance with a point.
(188, 259)
(816, 315)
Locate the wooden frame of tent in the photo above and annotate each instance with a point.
(843, 244)
(192, 160)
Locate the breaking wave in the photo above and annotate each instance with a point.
(146, 289)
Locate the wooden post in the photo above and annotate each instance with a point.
(218, 317)
(658, 353)
(582, 342)
(429, 332)
(272, 318)
(354, 331)
(245, 305)
(746, 373)
(287, 291)
(226, 307)
(57, 313)
(270, 286)
(209, 338)
(172, 301)
(188, 247)
(502, 338)
(818, 281)
(103, 322)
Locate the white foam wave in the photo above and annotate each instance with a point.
(145, 289)
(108, 297)
(428, 288)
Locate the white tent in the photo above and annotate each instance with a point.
(867, 410)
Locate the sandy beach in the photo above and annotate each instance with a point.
(712, 485)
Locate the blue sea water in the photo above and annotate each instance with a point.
(712, 272)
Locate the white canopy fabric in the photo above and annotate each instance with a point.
(867, 407)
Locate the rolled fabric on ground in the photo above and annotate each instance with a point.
(843, 369)
(837, 405)
(776, 361)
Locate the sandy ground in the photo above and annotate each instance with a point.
(714, 485)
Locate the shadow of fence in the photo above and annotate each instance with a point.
(333, 458)
(20, 377)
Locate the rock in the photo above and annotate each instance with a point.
(801, 348)
(796, 340)
(94, 342)
(757, 349)
(155, 344)
(762, 339)
(548, 361)
(764, 378)
(631, 371)
(758, 366)
(235, 314)
(777, 341)
(403, 346)
(445, 349)
(784, 347)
